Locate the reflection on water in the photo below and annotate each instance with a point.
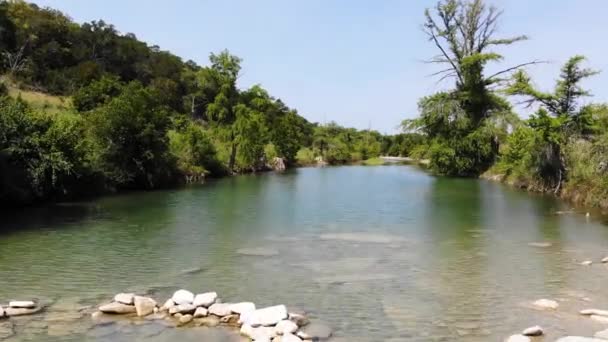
(379, 253)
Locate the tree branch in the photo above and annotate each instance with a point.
(516, 67)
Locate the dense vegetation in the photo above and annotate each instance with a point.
(472, 128)
(93, 110)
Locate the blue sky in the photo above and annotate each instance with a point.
(357, 62)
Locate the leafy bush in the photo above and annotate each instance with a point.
(194, 151)
(97, 93)
(305, 156)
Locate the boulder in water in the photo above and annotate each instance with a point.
(21, 311)
(315, 331)
(589, 312)
(205, 299)
(220, 309)
(124, 298)
(286, 327)
(287, 338)
(168, 305)
(25, 304)
(117, 308)
(200, 312)
(183, 297)
(587, 263)
(546, 304)
(533, 331)
(518, 338)
(182, 309)
(266, 316)
(605, 260)
(259, 333)
(241, 308)
(144, 305)
(2, 313)
(185, 319)
(299, 319)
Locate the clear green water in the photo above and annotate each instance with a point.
(384, 253)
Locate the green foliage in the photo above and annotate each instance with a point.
(97, 93)
(305, 156)
(194, 150)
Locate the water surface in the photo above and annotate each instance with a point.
(379, 253)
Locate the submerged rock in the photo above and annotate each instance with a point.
(182, 309)
(260, 251)
(315, 331)
(205, 299)
(546, 304)
(2, 313)
(117, 308)
(533, 331)
(518, 338)
(209, 321)
(587, 263)
(286, 327)
(266, 316)
(21, 311)
(299, 319)
(605, 260)
(144, 305)
(287, 338)
(185, 319)
(24, 304)
(259, 333)
(540, 244)
(589, 312)
(124, 298)
(183, 297)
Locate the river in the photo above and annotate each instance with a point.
(386, 253)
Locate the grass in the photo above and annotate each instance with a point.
(374, 162)
(38, 100)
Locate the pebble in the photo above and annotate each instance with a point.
(533, 331)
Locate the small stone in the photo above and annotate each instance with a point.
(241, 308)
(605, 260)
(144, 305)
(518, 338)
(540, 244)
(200, 312)
(11, 312)
(266, 316)
(185, 319)
(587, 263)
(533, 331)
(299, 319)
(287, 338)
(117, 308)
(24, 304)
(601, 319)
(124, 298)
(2, 313)
(183, 309)
(286, 327)
(205, 299)
(546, 304)
(168, 305)
(230, 320)
(183, 297)
(589, 312)
(315, 331)
(602, 334)
(220, 309)
(209, 321)
(177, 315)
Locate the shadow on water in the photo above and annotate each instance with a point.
(45, 217)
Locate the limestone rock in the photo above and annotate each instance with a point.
(601, 319)
(182, 309)
(21, 311)
(200, 312)
(315, 331)
(299, 319)
(168, 305)
(220, 309)
(540, 244)
(546, 304)
(2, 313)
(205, 299)
(144, 305)
(183, 297)
(117, 308)
(241, 308)
(605, 260)
(587, 263)
(185, 319)
(287, 338)
(286, 327)
(533, 331)
(124, 298)
(209, 321)
(266, 316)
(25, 304)
(259, 333)
(588, 312)
(578, 339)
(602, 334)
(518, 338)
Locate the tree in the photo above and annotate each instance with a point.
(97, 93)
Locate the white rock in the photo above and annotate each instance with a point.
(315, 331)
(183, 297)
(144, 305)
(602, 334)
(241, 308)
(587, 263)
(182, 309)
(200, 312)
(168, 305)
(266, 316)
(259, 333)
(546, 304)
(205, 299)
(289, 338)
(588, 312)
(578, 339)
(2, 313)
(220, 309)
(518, 338)
(124, 298)
(605, 260)
(25, 304)
(601, 319)
(185, 319)
(263, 339)
(117, 308)
(286, 327)
(533, 331)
